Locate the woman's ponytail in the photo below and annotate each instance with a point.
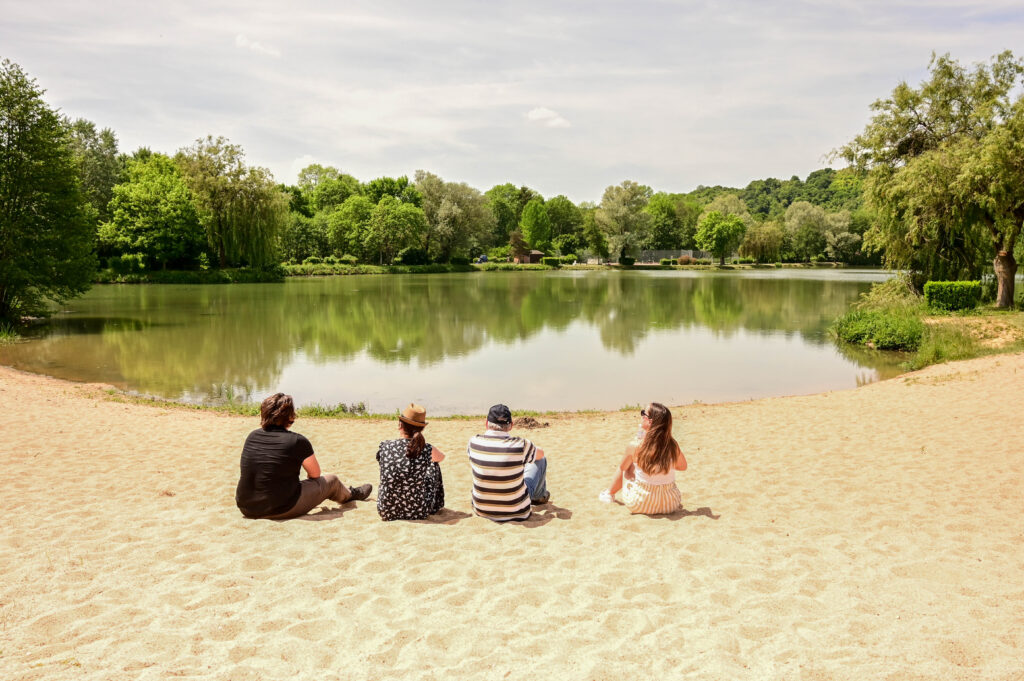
(416, 444)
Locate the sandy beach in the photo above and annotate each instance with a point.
(876, 533)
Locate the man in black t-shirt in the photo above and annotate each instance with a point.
(269, 485)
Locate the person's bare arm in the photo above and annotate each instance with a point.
(627, 466)
(680, 461)
(311, 466)
(436, 455)
(538, 454)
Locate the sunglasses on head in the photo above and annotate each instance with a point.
(643, 412)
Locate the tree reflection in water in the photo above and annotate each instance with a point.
(220, 342)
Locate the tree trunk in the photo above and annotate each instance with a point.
(1006, 269)
(721, 260)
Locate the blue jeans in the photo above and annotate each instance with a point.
(535, 477)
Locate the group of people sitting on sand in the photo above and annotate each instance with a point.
(509, 472)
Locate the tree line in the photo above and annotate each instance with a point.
(933, 185)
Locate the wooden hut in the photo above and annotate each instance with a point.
(529, 258)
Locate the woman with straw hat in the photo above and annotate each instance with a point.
(410, 477)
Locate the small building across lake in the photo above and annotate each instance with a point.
(529, 258)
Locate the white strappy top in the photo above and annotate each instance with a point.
(659, 479)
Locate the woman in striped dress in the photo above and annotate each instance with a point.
(647, 474)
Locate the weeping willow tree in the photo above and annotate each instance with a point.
(240, 207)
(945, 166)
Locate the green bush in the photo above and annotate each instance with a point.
(411, 256)
(129, 263)
(704, 261)
(499, 253)
(952, 295)
(313, 260)
(551, 261)
(667, 262)
(884, 329)
(626, 261)
(242, 275)
(330, 260)
(459, 260)
(897, 291)
(348, 259)
(745, 261)
(569, 259)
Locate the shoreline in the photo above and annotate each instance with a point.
(350, 411)
(273, 276)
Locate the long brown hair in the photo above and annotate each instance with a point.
(659, 450)
(416, 442)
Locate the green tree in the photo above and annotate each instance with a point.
(593, 236)
(298, 202)
(763, 241)
(720, 234)
(303, 237)
(688, 215)
(99, 164)
(312, 175)
(622, 217)
(942, 164)
(517, 244)
(805, 226)
(507, 203)
(393, 226)
(331, 192)
(46, 235)
(535, 225)
(728, 204)
(566, 217)
(397, 187)
(665, 226)
(347, 227)
(459, 219)
(240, 207)
(153, 214)
(840, 242)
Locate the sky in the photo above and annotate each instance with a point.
(567, 97)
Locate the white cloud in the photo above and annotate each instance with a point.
(670, 94)
(547, 118)
(246, 44)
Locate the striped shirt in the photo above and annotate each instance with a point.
(498, 460)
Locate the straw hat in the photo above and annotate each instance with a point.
(414, 415)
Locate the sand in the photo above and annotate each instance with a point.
(875, 533)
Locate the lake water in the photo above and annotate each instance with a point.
(458, 343)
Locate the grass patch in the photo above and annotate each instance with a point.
(332, 411)
(882, 328)
(8, 334)
(944, 344)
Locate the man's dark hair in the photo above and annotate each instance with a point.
(277, 410)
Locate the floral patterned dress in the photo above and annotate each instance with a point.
(410, 489)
